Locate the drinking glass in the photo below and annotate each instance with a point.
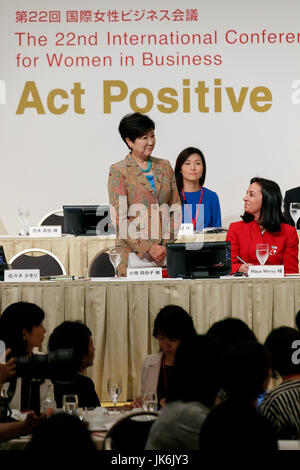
(24, 216)
(295, 211)
(115, 257)
(70, 404)
(262, 253)
(149, 402)
(114, 388)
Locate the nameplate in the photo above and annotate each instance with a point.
(45, 231)
(186, 229)
(144, 274)
(22, 275)
(266, 271)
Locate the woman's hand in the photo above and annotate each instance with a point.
(244, 268)
(7, 370)
(31, 422)
(157, 253)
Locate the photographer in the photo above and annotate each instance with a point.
(7, 370)
(22, 329)
(20, 428)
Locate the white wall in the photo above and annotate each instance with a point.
(49, 160)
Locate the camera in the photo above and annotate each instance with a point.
(57, 366)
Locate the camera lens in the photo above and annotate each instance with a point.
(57, 366)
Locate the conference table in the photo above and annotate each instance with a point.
(121, 313)
(77, 253)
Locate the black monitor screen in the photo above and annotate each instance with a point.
(88, 220)
(3, 263)
(199, 260)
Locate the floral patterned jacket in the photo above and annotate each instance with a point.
(142, 214)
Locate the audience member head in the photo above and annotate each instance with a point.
(230, 332)
(246, 371)
(270, 210)
(280, 346)
(172, 325)
(61, 433)
(135, 125)
(297, 320)
(182, 161)
(196, 371)
(21, 327)
(77, 336)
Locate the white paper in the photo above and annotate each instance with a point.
(135, 262)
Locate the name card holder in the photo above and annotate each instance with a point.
(274, 271)
(22, 275)
(144, 274)
(45, 231)
(186, 229)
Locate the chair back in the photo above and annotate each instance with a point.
(46, 262)
(54, 218)
(130, 433)
(100, 266)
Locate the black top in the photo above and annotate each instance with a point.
(83, 386)
(30, 394)
(164, 380)
(236, 425)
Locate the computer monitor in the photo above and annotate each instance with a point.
(88, 220)
(199, 260)
(3, 263)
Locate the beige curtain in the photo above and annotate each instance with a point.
(121, 314)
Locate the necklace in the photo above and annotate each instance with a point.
(148, 167)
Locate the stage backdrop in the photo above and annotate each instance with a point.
(221, 76)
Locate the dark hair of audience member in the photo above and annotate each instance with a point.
(279, 344)
(245, 371)
(135, 125)
(61, 433)
(196, 371)
(231, 331)
(173, 322)
(15, 318)
(71, 335)
(297, 320)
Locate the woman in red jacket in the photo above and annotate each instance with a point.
(263, 222)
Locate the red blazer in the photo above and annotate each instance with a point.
(283, 245)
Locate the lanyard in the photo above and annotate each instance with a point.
(164, 374)
(187, 206)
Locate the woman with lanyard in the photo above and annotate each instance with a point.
(190, 171)
(171, 326)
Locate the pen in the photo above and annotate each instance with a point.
(239, 258)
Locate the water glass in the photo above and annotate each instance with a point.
(114, 388)
(262, 253)
(70, 404)
(295, 211)
(149, 401)
(115, 257)
(24, 216)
